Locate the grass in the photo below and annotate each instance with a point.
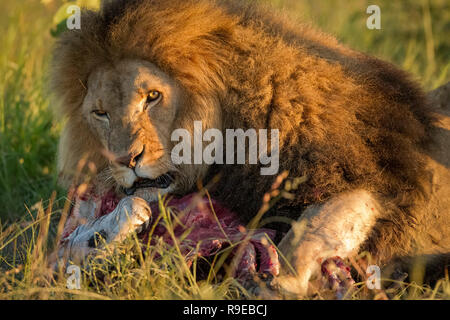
(28, 133)
(118, 272)
(414, 36)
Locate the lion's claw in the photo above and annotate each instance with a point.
(338, 275)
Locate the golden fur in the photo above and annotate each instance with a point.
(347, 120)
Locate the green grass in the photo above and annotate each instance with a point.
(28, 133)
(414, 36)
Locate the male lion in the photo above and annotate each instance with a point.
(358, 129)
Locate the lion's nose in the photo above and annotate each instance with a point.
(130, 160)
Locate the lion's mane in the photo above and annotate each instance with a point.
(346, 120)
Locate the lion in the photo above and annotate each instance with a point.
(360, 131)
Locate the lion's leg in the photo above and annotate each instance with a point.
(336, 228)
(130, 215)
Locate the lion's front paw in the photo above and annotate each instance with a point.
(306, 262)
(316, 258)
(293, 286)
(334, 274)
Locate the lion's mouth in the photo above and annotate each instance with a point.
(162, 182)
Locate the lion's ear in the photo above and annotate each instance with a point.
(78, 154)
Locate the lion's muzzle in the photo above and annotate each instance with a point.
(162, 182)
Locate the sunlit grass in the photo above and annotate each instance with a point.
(133, 270)
(414, 36)
(130, 270)
(28, 134)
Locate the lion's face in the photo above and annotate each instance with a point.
(131, 109)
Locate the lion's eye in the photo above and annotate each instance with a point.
(101, 114)
(153, 96)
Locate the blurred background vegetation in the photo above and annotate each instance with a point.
(414, 36)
